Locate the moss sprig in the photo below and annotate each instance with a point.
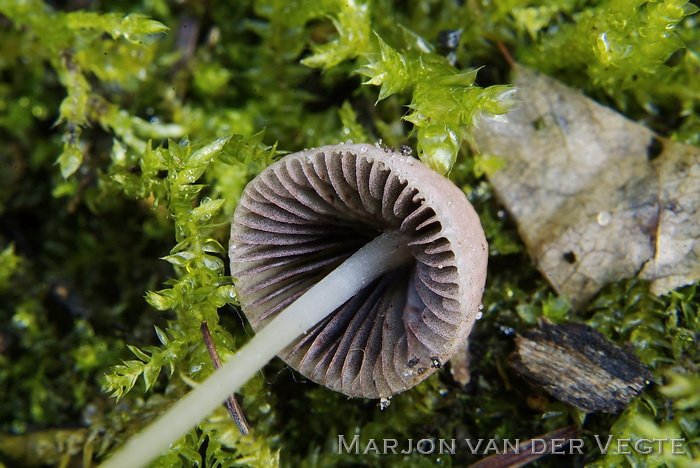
(627, 48)
(201, 287)
(170, 178)
(115, 48)
(445, 101)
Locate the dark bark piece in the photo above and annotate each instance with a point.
(323, 205)
(579, 366)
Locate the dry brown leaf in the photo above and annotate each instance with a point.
(594, 199)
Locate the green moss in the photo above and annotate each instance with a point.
(664, 333)
(634, 51)
(78, 44)
(159, 113)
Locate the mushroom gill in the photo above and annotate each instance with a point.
(307, 213)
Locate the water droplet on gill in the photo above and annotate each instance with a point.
(479, 315)
(363, 149)
(384, 403)
(604, 218)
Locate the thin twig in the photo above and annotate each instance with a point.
(231, 403)
(506, 55)
(529, 451)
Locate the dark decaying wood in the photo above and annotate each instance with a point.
(305, 214)
(579, 366)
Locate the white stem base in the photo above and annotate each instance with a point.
(384, 253)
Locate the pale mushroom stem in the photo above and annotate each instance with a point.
(384, 253)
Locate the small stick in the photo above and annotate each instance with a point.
(231, 403)
(506, 55)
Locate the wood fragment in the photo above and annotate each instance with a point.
(579, 366)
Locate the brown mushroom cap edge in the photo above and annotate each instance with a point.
(306, 213)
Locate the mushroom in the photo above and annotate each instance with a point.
(361, 267)
(311, 210)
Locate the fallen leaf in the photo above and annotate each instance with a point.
(677, 259)
(596, 197)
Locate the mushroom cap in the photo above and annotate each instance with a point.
(308, 212)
